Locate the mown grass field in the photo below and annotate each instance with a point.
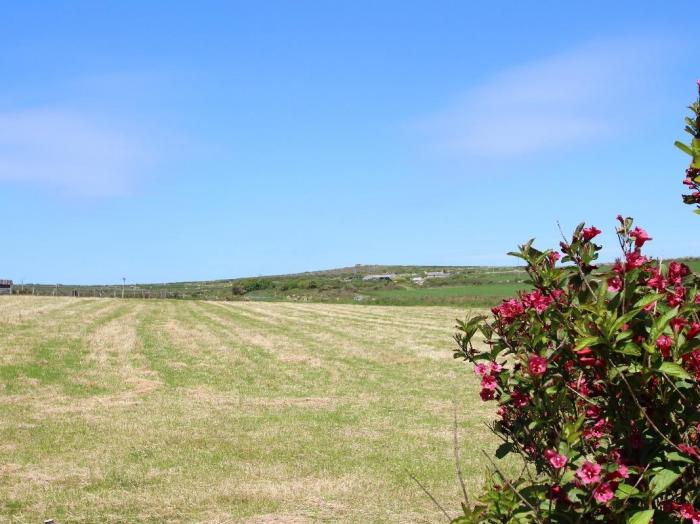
(190, 411)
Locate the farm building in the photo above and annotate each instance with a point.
(379, 277)
(5, 287)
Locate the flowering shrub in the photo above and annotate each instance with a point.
(596, 375)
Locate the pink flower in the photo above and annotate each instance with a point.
(519, 399)
(586, 357)
(603, 493)
(634, 260)
(656, 281)
(589, 472)
(664, 343)
(556, 294)
(556, 493)
(691, 451)
(614, 284)
(486, 394)
(487, 368)
(677, 324)
(618, 267)
(590, 232)
(596, 431)
(537, 365)
(592, 411)
(649, 308)
(553, 257)
(536, 301)
(581, 386)
(676, 272)
(623, 471)
(693, 330)
(640, 236)
(687, 511)
(508, 310)
(676, 297)
(481, 369)
(488, 382)
(555, 459)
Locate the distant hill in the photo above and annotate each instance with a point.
(473, 286)
(366, 284)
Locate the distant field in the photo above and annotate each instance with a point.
(482, 290)
(191, 411)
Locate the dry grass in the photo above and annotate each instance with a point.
(156, 411)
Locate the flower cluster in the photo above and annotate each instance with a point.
(596, 373)
(487, 372)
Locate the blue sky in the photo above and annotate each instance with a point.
(166, 141)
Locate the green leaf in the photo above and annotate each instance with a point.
(623, 320)
(574, 437)
(567, 477)
(630, 349)
(662, 480)
(661, 323)
(475, 320)
(602, 291)
(625, 491)
(587, 341)
(623, 335)
(641, 517)
(576, 494)
(504, 449)
(534, 424)
(647, 299)
(674, 456)
(680, 145)
(674, 370)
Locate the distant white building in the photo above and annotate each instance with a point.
(387, 276)
(5, 287)
(436, 274)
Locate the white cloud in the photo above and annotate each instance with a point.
(71, 151)
(584, 95)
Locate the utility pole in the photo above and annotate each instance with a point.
(123, 285)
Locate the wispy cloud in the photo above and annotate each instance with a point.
(68, 150)
(584, 95)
